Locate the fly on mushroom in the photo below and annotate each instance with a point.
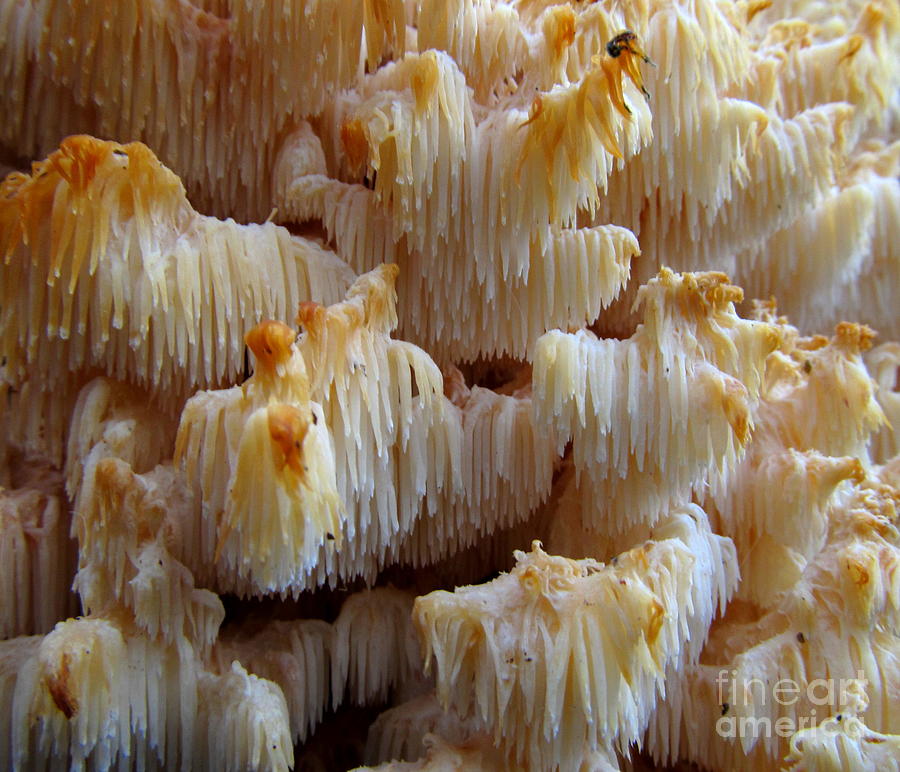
(626, 43)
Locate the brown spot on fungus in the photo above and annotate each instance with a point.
(60, 689)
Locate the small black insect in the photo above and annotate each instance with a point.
(627, 42)
(624, 41)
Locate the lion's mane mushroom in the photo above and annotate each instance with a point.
(131, 680)
(844, 741)
(413, 473)
(535, 659)
(836, 621)
(126, 278)
(627, 404)
(816, 415)
(445, 332)
(482, 213)
(241, 71)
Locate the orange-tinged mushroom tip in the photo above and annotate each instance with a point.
(354, 144)
(288, 426)
(424, 81)
(534, 112)
(78, 159)
(737, 410)
(855, 337)
(270, 342)
(311, 316)
(708, 288)
(531, 580)
(560, 29)
(852, 469)
(755, 7)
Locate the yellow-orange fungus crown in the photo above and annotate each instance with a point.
(288, 426)
(856, 338)
(270, 342)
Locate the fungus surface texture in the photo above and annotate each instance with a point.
(450, 385)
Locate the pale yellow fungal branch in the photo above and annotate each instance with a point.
(262, 448)
(663, 413)
(844, 742)
(508, 49)
(580, 273)
(538, 661)
(441, 205)
(399, 733)
(111, 418)
(374, 648)
(344, 434)
(367, 655)
(849, 60)
(127, 683)
(754, 126)
(419, 735)
(268, 441)
(884, 365)
(792, 661)
(495, 162)
(485, 39)
(411, 123)
(506, 470)
(817, 414)
(242, 723)
(872, 298)
(715, 572)
(776, 513)
(702, 138)
(125, 277)
(396, 445)
(231, 80)
(786, 172)
(838, 260)
(131, 485)
(125, 532)
(429, 91)
(126, 522)
(285, 469)
(821, 395)
(811, 262)
(96, 693)
(296, 655)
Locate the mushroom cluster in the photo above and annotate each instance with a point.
(449, 385)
